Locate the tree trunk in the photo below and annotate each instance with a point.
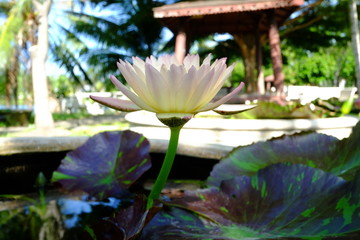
(11, 82)
(39, 52)
(247, 46)
(355, 39)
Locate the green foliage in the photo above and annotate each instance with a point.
(63, 54)
(290, 110)
(237, 75)
(10, 117)
(348, 106)
(323, 68)
(61, 86)
(274, 110)
(316, 47)
(322, 26)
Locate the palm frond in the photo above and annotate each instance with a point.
(12, 26)
(65, 58)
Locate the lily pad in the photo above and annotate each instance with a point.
(347, 160)
(106, 165)
(127, 223)
(308, 148)
(280, 201)
(178, 224)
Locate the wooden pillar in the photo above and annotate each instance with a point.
(246, 42)
(276, 56)
(181, 42)
(259, 61)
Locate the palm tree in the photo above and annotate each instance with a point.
(130, 29)
(12, 36)
(39, 53)
(27, 22)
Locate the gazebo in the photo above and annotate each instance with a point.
(251, 22)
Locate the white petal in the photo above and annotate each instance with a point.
(210, 86)
(139, 64)
(176, 84)
(195, 100)
(140, 73)
(158, 87)
(167, 60)
(202, 71)
(169, 85)
(174, 61)
(218, 63)
(207, 60)
(186, 89)
(132, 96)
(135, 82)
(229, 109)
(191, 60)
(218, 81)
(223, 100)
(153, 61)
(115, 103)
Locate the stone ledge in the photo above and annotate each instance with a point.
(149, 119)
(239, 132)
(16, 145)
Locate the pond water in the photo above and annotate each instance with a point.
(18, 107)
(66, 217)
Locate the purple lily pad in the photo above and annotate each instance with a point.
(178, 224)
(106, 165)
(312, 149)
(280, 201)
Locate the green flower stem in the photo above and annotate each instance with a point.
(166, 167)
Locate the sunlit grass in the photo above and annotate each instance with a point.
(71, 129)
(68, 116)
(16, 133)
(89, 130)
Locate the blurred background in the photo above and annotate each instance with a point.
(86, 38)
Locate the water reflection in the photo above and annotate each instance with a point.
(64, 218)
(73, 211)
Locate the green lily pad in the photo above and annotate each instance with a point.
(308, 148)
(106, 165)
(280, 202)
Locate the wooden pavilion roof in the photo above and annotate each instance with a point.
(224, 16)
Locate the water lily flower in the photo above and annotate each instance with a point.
(170, 89)
(175, 92)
